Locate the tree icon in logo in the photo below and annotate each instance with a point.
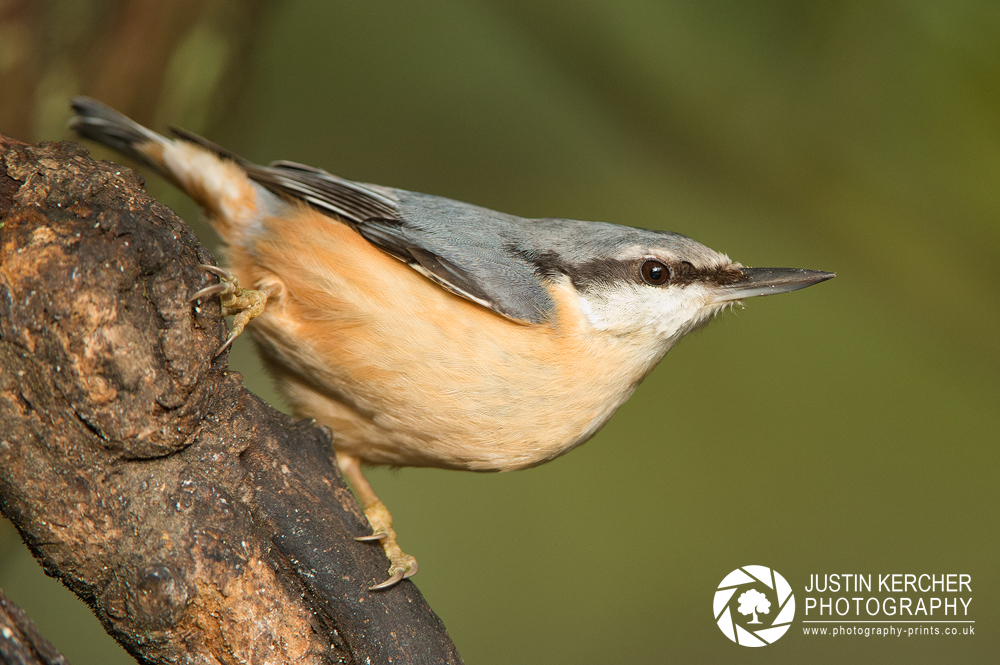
(755, 588)
(754, 601)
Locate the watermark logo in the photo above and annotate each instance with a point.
(888, 604)
(754, 606)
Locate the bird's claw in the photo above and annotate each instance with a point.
(228, 285)
(395, 578)
(229, 342)
(397, 574)
(375, 536)
(245, 304)
(402, 565)
(213, 290)
(216, 270)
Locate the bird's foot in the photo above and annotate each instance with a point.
(402, 565)
(243, 304)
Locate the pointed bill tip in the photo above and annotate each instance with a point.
(771, 281)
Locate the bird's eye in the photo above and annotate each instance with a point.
(654, 273)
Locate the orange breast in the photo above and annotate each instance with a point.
(406, 373)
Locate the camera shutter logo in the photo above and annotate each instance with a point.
(757, 586)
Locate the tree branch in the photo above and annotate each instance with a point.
(200, 524)
(20, 641)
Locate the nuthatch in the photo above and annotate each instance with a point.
(429, 332)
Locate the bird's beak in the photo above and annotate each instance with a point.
(770, 281)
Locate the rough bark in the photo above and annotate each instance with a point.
(200, 524)
(20, 641)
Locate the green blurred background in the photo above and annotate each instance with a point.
(852, 427)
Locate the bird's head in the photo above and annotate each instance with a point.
(654, 287)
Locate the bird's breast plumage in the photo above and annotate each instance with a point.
(407, 373)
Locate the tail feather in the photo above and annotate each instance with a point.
(185, 135)
(99, 122)
(212, 175)
(209, 174)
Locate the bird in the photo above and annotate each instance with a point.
(429, 332)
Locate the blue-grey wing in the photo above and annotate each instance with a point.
(470, 251)
(350, 201)
(479, 266)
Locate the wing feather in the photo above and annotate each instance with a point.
(477, 272)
